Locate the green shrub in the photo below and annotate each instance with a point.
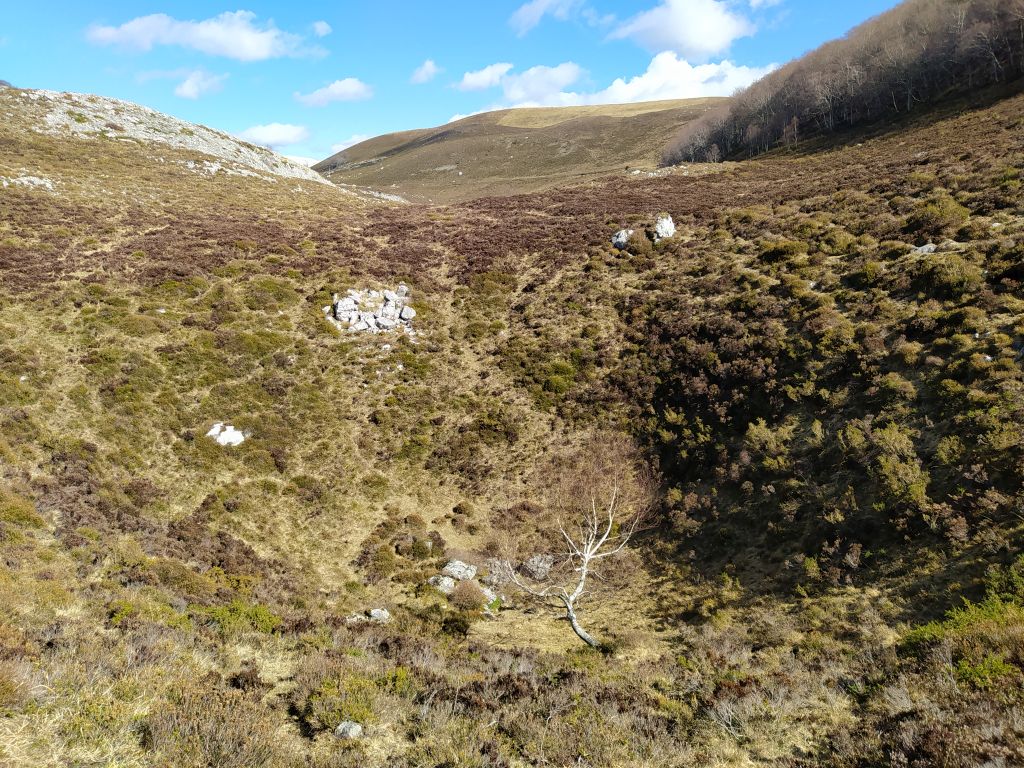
(19, 511)
(939, 215)
(986, 675)
(236, 617)
(341, 696)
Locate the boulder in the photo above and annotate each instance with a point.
(621, 238)
(349, 730)
(459, 570)
(443, 584)
(664, 228)
(386, 323)
(408, 313)
(538, 567)
(403, 290)
(380, 615)
(925, 249)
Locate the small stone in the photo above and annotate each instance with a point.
(349, 730)
(621, 238)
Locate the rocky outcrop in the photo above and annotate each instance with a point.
(372, 311)
(459, 570)
(538, 567)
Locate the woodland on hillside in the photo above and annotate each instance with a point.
(917, 54)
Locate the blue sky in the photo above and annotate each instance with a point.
(309, 77)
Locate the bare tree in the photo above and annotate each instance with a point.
(601, 497)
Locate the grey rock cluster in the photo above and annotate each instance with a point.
(456, 571)
(372, 311)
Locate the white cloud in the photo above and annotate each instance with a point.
(670, 77)
(321, 28)
(695, 29)
(759, 4)
(349, 89)
(425, 72)
(351, 141)
(529, 15)
(234, 35)
(537, 84)
(199, 83)
(275, 135)
(302, 160)
(485, 78)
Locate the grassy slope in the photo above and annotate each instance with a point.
(151, 578)
(509, 151)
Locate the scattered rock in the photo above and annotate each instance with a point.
(459, 570)
(621, 239)
(349, 730)
(35, 182)
(664, 228)
(538, 567)
(443, 584)
(225, 434)
(925, 249)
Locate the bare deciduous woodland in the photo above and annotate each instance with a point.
(911, 57)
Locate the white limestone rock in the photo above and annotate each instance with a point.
(664, 228)
(225, 434)
(457, 569)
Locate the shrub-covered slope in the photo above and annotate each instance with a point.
(834, 415)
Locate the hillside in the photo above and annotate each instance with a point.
(514, 151)
(206, 486)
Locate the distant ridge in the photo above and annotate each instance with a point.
(515, 150)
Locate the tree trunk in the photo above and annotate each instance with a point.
(581, 633)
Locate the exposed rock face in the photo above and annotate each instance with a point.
(538, 567)
(621, 238)
(87, 117)
(372, 311)
(457, 569)
(664, 228)
(349, 730)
